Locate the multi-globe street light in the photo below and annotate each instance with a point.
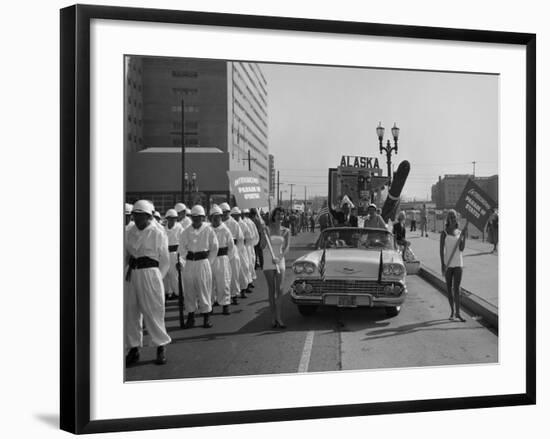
(388, 149)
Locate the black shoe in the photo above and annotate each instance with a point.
(243, 295)
(234, 300)
(161, 356)
(206, 322)
(190, 323)
(132, 356)
(225, 310)
(250, 286)
(215, 304)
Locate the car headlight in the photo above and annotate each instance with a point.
(298, 268)
(393, 269)
(309, 268)
(302, 267)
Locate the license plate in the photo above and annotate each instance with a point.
(346, 301)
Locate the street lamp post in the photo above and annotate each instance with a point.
(388, 149)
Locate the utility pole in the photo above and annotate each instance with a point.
(278, 189)
(305, 196)
(249, 160)
(291, 186)
(182, 152)
(474, 163)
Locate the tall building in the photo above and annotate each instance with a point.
(447, 190)
(220, 106)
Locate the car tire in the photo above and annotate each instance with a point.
(307, 310)
(392, 311)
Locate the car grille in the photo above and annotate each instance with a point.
(337, 286)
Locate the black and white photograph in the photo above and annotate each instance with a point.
(296, 218)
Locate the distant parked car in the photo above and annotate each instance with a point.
(350, 267)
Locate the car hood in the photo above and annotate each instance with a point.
(352, 263)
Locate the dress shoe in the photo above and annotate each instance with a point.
(132, 356)
(225, 310)
(206, 320)
(161, 355)
(190, 323)
(234, 300)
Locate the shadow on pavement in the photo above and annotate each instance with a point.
(430, 325)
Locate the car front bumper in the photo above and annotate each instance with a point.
(337, 299)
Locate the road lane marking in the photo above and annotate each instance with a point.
(306, 352)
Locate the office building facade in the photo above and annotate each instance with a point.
(221, 108)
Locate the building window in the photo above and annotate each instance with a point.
(191, 127)
(189, 142)
(187, 108)
(185, 91)
(184, 74)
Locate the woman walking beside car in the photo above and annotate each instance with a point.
(451, 246)
(274, 263)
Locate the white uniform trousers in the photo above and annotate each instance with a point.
(197, 286)
(245, 277)
(171, 278)
(236, 275)
(251, 261)
(144, 297)
(221, 280)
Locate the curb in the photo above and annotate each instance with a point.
(469, 301)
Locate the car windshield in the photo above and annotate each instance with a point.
(356, 238)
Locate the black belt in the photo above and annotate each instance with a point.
(196, 256)
(140, 263)
(173, 248)
(222, 251)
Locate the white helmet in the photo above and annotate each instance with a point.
(171, 213)
(156, 214)
(143, 206)
(179, 207)
(127, 208)
(215, 210)
(235, 211)
(225, 207)
(198, 210)
(187, 211)
(246, 210)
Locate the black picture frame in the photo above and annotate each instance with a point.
(75, 213)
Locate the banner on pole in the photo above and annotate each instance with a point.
(475, 205)
(247, 189)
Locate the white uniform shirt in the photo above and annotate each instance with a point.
(246, 232)
(225, 238)
(255, 236)
(185, 222)
(174, 233)
(150, 242)
(235, 230)
(199, 240)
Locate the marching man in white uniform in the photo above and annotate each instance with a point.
(148, 262)
(221, 267)
(173, 231)
(238, 278)
(199, 246)
(253, 242)
(182, 211)
(243, 251)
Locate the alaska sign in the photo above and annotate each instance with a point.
(359, 162)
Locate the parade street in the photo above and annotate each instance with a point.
(332, 339)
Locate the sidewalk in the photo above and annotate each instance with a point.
(480, 265)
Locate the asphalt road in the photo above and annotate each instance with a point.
(244, 343)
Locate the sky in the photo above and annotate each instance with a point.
(317, 114)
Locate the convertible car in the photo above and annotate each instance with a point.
(351, 267)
